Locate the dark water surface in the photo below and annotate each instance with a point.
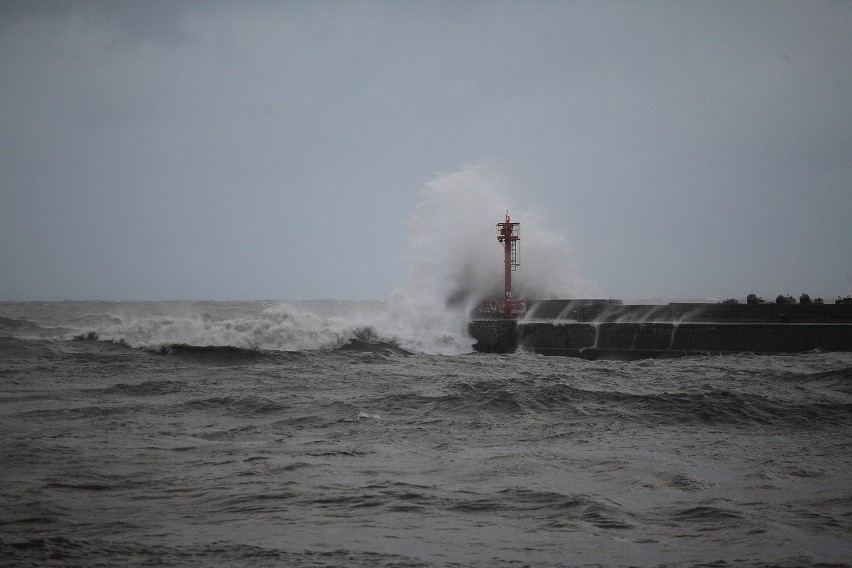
(364, 455)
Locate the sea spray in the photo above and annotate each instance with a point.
(454, 260)
(453, 255)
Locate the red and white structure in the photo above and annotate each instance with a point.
(509, 234)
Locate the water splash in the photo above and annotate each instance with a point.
(454, 260)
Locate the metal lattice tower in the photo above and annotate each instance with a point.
(509, 234)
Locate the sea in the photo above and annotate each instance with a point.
(333, 433)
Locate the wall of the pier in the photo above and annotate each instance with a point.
(506, 336)
(614, 311)
(495, 336)
(709, 337)
(589, 310)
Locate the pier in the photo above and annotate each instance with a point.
(608, 329)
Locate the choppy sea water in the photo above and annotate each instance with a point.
(146, 435)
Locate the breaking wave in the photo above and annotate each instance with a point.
(281, 327)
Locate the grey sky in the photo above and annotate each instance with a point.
(159, 149)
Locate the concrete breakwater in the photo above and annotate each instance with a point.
(608, 329)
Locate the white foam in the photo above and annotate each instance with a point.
(279, 327)
(454, 259)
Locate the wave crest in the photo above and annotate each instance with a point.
(280, 327)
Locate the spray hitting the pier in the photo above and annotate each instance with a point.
(453, 260)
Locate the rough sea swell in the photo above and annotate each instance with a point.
(138, 448)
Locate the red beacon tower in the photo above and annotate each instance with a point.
(509, 234)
